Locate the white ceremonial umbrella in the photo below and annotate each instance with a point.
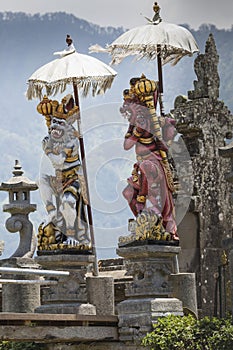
(174, 43)
(158, 39)
(85, 73)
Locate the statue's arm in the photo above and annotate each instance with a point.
(132, 136)
(57, 160)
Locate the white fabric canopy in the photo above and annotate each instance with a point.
(175, 42)
(87, 72)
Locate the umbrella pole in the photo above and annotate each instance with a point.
(89, 211)
(160, 77)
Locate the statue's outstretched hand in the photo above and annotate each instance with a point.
(57, 160)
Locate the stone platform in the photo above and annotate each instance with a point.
(57, 328)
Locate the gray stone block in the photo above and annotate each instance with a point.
(136, 316)
(69, 308)
(100, 292)
(184, 288)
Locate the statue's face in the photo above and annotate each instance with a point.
(136, 114)
(141, 120)
(58, 128)
(126, 111)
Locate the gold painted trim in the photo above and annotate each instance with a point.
(146, 141)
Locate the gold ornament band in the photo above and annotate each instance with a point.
(146, 141)
(136, 133)
(141, 199)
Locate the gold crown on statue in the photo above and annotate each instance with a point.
(45, 106)
(51, 108)
(145, 86)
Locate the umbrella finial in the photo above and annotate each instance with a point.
(69, 41)
(156, 7)
(156, 19)
(70, 49)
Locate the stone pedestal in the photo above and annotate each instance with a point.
(69, 295)
(150, 266)
(20, 297)
(149, 294)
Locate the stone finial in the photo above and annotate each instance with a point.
(210, 48)
(206, 69)
(17, 169)
(18, 181)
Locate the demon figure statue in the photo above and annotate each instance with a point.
(64, 191)
(150, 187)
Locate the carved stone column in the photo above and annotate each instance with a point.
(206, 124)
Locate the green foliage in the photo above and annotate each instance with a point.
(7, 345)
(186, 333)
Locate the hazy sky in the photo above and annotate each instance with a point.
(129, 13)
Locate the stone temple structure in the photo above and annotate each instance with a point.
(204, 121)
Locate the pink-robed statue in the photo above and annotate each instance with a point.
(150, 187)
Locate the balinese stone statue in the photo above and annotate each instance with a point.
(64, 191)
(150, 187)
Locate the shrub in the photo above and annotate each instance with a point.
(187, 333)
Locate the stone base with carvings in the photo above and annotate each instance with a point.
(69, 295)
(150, 267)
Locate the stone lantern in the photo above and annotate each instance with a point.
(19, 188)
(20, 297)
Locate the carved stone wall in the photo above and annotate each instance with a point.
(204, 121)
